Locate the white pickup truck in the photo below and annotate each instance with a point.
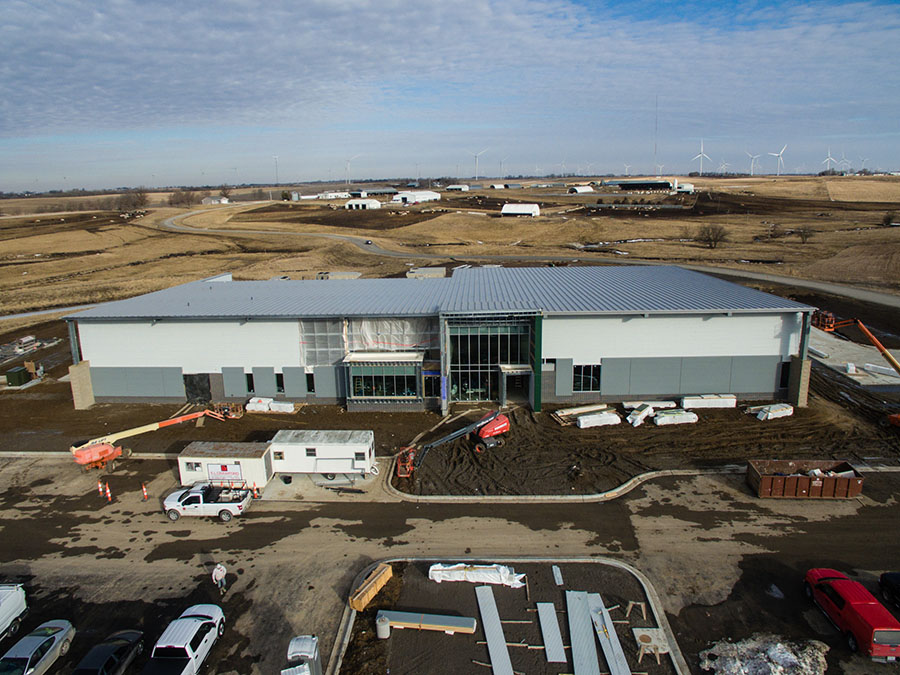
(186, 642)
(203, 499)
(12, 609)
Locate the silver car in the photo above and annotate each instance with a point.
(35, 653)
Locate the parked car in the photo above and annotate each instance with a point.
(204, 499)
(113, 655)
(863, 621)
(889, 583)
(12, 608)
(35, 653)
(186, 642)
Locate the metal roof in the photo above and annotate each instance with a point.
(550, 290)
(224, 449)
(323, 437)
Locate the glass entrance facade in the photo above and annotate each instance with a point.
(476, 353)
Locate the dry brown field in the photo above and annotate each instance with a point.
(55, 260)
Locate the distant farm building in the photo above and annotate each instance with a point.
(362, 204)
(458, 188)
(359, 194)
(415, 197)
(514, 186)
(580, 189)
(645, 185)
(686, 188)
(520, 210)
(497, 186)
(338, 275)
(381, 191)
(215, 200)
(426, 273)
(333, 195)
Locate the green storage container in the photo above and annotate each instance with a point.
(16, 377)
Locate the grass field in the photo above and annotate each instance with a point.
(53, 260)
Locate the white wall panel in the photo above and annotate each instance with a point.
(195, 346)
(586, 340)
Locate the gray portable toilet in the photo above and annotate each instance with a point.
(303, 656)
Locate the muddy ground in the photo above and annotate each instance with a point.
(409, 651)
(376, 220)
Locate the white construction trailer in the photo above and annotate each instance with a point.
(247, 464)
(328, 453)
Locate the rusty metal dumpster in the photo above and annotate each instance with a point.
(803, 479)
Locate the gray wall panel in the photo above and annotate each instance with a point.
(330, 381)
(615, 377)
(564, 369)
(138, 382)
(216, 386)
(264, 381)
(234, 381)
(705, 375)
(755, 374)
(655, 376)
(294, 382)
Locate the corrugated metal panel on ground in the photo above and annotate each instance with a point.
(493, 631)
(581, 634)
(606, 633)
(553, 644)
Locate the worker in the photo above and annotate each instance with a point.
(218, 577)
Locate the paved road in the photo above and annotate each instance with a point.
(366, 246)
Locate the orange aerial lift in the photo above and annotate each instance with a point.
(101, 452)
(825, 321)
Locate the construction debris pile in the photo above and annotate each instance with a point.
(765, 655)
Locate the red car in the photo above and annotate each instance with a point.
(864, 622)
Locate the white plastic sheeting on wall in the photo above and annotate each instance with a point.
(393, 334)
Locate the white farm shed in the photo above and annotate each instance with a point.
(231, 463)
(323, 452)
(415, 197)
(580, 189)
(458, 188)
(497, 186)
(362, 204)
(520, 210)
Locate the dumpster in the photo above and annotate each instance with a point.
(804, 479)
(16, 377)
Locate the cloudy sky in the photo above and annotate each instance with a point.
(103, 93)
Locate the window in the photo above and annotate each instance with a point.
(833, 595)
(785, 375)
(278, 454)
(432, 385)
(279, 382)
(359, 456)
(250, 388)
(310, 452)
(586, 378)
(388, 381)
(310, 383)
(191, 501)
(192, 466)
(197, 640)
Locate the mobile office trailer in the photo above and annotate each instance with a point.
(234, 463)
(324, 452)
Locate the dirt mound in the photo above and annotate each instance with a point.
(377, 219)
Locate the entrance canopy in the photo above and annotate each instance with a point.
(385, 357)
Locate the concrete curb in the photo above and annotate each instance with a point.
(609, 495)
(345, 628)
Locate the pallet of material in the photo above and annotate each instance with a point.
(418, 621)
(803, 479)
(677, 416)
(709, 401)
(658, 405)
(369, 588)
(600, 419)
(637, 416)
(567, 416)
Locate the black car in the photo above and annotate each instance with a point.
(889, 583)
(113, 655)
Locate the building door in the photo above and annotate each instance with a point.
(196, 388)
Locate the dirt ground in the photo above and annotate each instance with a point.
(410, 651)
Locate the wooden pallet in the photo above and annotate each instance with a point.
(369, 588)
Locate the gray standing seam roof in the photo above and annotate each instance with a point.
(551, 290)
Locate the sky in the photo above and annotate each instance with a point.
(107, 93)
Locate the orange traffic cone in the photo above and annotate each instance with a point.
(255, 492)
(144, 492)
(108, 493)
(100, 487)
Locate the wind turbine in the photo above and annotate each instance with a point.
(348, 167)
(501, 165)
(562, 167)
(862, 161)
(723, 167)
(844, 163)
(701, 155)
(627, 168)
(476, 155)
(779, 163)
(753, 159)
(828, 160)
(659, 168)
